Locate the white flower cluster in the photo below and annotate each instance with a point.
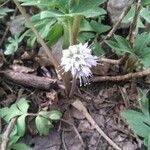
(78, 60)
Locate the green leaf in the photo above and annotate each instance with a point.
(93, 12)
(142, 40)
(4, 11)
(120, 45)
(23, 105)
(51, 14)
(55, 115)
(20, 146)
(13, 140)
(145, 2)
(44, 114)
(13, 44)
(54, 34)
(85, 26)
(43, 125)
(97, 50)
(85, 36)
(123, 43)
(21, 125)
(88, 3)
(99, 27)
(144, 102)
(13, 112)
(145, 13)
(3, 112)
(129, 17)
(148, 146)
(138, 122)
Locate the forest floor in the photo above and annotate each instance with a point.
(104, 100)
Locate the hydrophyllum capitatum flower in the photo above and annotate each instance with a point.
(78, 60)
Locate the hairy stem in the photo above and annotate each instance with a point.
(74, 29)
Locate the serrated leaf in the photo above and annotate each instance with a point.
(21, 125)
(23, 105)
(138, 122)
(20, 146)
(43, 125)
(55, 115)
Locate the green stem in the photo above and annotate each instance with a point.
(74, 29)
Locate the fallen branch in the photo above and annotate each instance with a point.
(121, 77)
(112, 31)
(30, 80)
(78, 105)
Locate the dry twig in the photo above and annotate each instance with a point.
(122, 77)
(78, 105)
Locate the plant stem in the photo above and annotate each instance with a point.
(133, 27)
(74, 29)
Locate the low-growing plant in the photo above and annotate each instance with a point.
(43, 122)
(139, 54)
(13, 44)
(139, 121)
(61, 18)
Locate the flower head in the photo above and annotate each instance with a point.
(78, 60)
